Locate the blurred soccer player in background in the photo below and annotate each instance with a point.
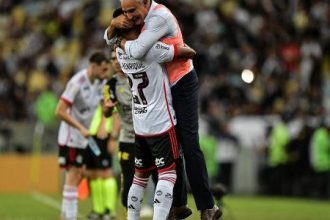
(103, 185)
(76, 108)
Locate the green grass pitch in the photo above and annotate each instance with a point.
(37, 206)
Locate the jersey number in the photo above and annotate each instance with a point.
(140, 87)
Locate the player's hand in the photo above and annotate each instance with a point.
(187, 46)
(84, 132)
(112, 145)
(109, 103)
(121, 22)
(122, 43)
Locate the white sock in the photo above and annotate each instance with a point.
(135, 197)
(164, 194)
(70, 203)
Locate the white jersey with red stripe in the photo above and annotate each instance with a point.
(152, 109)
(161, 25)
(83, 98)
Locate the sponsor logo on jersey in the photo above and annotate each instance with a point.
(159, 162)
(132, 66)
(140, 110)
(83, 110)
(134, 198)
(160, 46)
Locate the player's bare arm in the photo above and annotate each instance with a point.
(61, 113)
(113, 140)
(102, 131)
(120, 22)
(108, 107)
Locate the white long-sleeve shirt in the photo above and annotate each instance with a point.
(160, 24)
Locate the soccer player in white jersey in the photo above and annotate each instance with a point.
(157, 23)
(154, 124)
(75, 108)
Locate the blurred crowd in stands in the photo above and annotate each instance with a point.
(285, 43)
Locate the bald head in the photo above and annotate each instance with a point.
(135, 10)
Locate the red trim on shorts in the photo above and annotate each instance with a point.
(66, 101)
(154, 135)
(146, 170)
(72, 154)
(167, 105)
(173, 165)
(174, 144)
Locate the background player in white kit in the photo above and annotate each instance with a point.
(154, 124)
(75, 108)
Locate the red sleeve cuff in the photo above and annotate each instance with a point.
(66, 101)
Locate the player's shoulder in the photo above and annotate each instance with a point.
(79, 77)
(160, 10)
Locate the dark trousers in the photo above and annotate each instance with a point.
(185, 102)
(127, 154)
(180, 188)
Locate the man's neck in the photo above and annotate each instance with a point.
(90, 75)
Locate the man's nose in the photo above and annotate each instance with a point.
(129, 16)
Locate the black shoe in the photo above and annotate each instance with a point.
(181, 212)
(211, 214)
(219, 191)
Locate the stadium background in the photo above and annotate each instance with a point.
(284, 43)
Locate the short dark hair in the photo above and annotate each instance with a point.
(117, 12)
(98, 57)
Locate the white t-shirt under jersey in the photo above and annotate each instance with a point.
(83, 98)
(152, 108)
